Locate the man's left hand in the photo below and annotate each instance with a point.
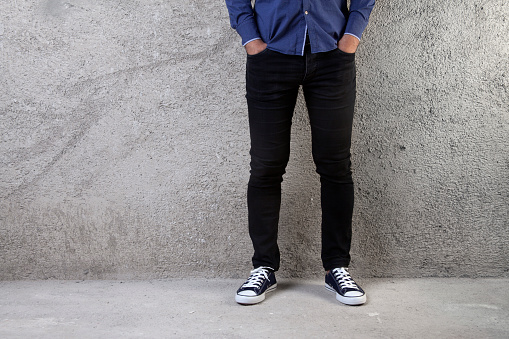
(348, 43)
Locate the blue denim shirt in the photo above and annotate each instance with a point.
(283, 24)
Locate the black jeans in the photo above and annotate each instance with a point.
(272, 83)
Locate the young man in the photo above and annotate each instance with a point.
(293, 43)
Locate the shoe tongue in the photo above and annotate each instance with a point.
(266, 268)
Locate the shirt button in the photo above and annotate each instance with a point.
(306, 12)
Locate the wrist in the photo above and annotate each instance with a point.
(255, 46)
(348, 43)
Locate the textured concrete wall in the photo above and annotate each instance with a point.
(124, 143)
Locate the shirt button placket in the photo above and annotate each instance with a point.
(305, 7)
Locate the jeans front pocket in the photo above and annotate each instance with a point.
(345, 53)
(258, 54)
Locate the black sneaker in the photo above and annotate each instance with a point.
(347, 291)
(261, 280)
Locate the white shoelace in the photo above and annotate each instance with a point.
(344, 279)
(257, 277)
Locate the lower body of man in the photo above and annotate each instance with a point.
(272, 82)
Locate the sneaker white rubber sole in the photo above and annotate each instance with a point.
(247, 300)
(353, 301)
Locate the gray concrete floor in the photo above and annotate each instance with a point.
(396, 308)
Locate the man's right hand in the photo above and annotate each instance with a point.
(255, 47)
